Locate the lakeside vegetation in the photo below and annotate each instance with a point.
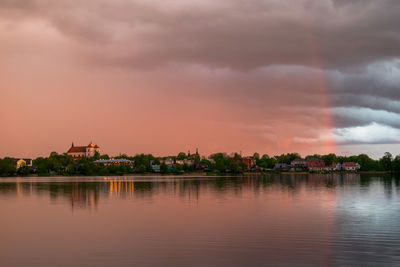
(63, 164)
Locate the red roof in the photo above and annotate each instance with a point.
(350, 164)
(315, 163)
(76, 149)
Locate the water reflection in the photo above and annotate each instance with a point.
(276, 220)
(86, 192)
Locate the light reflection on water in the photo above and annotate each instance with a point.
(277, 220)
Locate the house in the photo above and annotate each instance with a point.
(350, 166)
(316, 164)
(185, 161)
(155, 168)
(83, 151)
(336, 166)
(281, 167)
(168, 161)
(180, 161)
(21, 162)
(299, 164)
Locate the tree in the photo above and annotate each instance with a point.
(178, 168)
(266, 162)
(219, 159)
(235, 167)
(24, 170)
(96, 156)
(144, 159)
(243, 166)
(181, 156)
(53, 154)
(163, 168)
(7, 167)
(386, 162)
(105, 156)
(396, 164)
(123, 156)
(205, 163)
(367, 164)
(329, 159)
(287, 158)
(141, 168)
(187, 168)
(237, 156)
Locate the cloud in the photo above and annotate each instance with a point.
(376, 79)
(228, 34)
(373, 133)
(353, 116)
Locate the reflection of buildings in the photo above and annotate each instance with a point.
(83, 197)
(119, 187)
(87, 195)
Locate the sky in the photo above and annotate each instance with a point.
(272, 76)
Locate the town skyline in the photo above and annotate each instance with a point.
(93, 146)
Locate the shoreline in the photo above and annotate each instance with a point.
(200, 174)
(333, 172)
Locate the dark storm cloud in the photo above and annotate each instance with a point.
(232, 34)
(370, 94)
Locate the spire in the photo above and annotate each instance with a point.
(72, 144)
(197, 151)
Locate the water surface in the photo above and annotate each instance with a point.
(275, 220)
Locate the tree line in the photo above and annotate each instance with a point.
(63, 164)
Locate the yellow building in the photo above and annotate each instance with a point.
(23, 162)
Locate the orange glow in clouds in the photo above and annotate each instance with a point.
(51, 95)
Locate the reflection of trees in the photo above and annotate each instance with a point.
(86, 194)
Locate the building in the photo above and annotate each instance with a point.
(350, 166)
(184, 161)
(115, 162)
(21, 162)
(282, 167)
(155, 167)
(168, 161)
(336, 166)
(180, 161)
(316, 165)
(83, 151)
(299, 164)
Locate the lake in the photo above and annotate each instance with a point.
(254, 220)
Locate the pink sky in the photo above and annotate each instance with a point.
(163, 78)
